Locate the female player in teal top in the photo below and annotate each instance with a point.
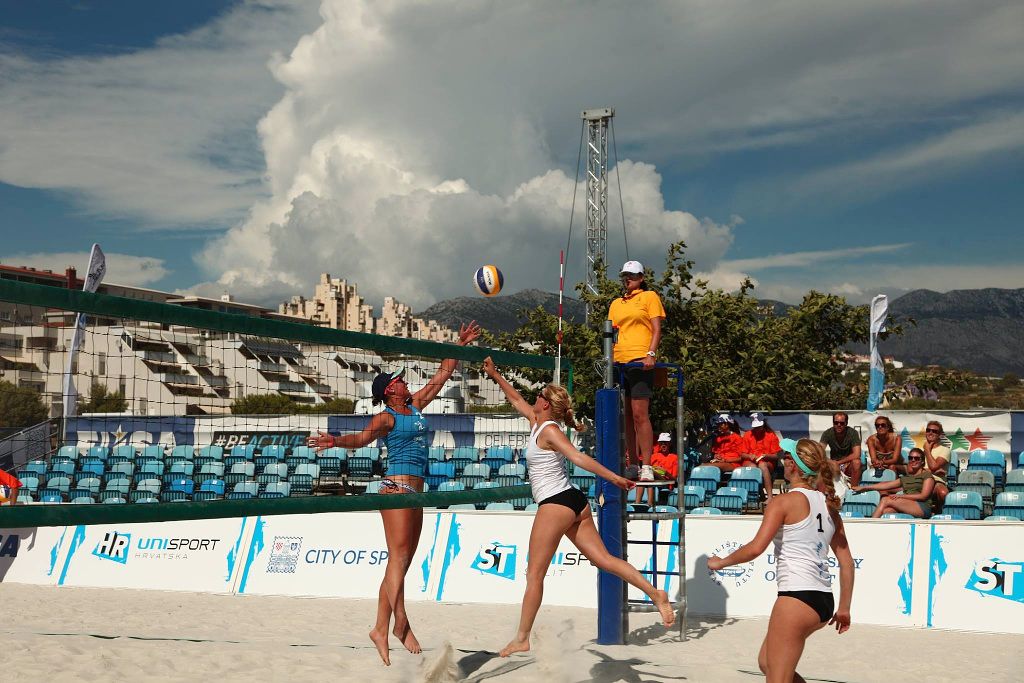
(405, 433)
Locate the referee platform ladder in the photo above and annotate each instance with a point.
(664, 545)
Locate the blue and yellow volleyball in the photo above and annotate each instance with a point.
(488, 280)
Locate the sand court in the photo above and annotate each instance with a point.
(85, 634)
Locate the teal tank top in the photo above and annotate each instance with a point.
(407, 444)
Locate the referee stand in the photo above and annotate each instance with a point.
(613, 603)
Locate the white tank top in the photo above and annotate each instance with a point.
(548, 474)
(801, 549)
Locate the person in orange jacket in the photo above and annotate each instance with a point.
(727, 446)
(664, 457)
(761, 448)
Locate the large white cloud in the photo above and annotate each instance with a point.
(123, 269)
(412, 141)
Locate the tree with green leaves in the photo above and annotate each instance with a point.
(102, 401)
(735, 355)
(20, 406)
(279, 404)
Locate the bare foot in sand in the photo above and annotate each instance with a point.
(517, 644)
(668, 614)
(408, 639)
(381, 641)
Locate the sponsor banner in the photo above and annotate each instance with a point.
(119, 430)
(230, 431)
(32, 555)
(485, 557)
(199, 555)
(333, 554)
(964, 431)
(976, 577)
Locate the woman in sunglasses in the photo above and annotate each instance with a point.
(404, 430)
(636, 318)
(885, 447)
(803, 524)
(936, 459)
(562, 509)
(911, 494)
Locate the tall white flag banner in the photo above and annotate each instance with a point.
(97, 269)
(879, 311)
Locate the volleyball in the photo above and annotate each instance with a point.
(488, 280)
(5, 493)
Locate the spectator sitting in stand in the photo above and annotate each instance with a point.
(761, 447)
(885, 447)
(664, 460)
(727, 446)
(936, 460)
(917, 486)
(844, 448)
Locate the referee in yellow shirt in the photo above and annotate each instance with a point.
(636, 318)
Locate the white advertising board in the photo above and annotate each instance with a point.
(197, 555)
(976, 577)
(485, 559)
(333, 554)
(32, 555)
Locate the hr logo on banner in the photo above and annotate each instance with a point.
(497, 559)
(998, 578)
(114, 546)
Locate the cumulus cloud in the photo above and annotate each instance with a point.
(409, 142)
(122, 269)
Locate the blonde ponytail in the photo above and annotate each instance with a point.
(812, 453)
(561, 407)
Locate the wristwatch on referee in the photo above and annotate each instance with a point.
(651, 354)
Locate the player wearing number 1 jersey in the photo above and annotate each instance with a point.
(803, 524)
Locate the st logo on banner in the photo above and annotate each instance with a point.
(497, 559)
(999, 579)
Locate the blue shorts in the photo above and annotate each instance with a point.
(408, 467)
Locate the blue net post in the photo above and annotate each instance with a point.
(611, 590)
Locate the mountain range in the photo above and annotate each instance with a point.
(981, 330)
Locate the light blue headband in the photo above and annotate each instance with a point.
(789, 446)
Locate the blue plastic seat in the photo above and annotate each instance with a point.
(729, 499)
(262, 461)
(494, 506)
(70, 452)
(246, 451)
(271, 494)
(215, 452)
(706, 510)
(749, 479)
(30, 484)
(466, 452)
(250, 487)
(666, 508)
(862, 503)
(182, 469)
(37, 466)
(532, 507)
(511, 469)
(150, 485)
(276, 451)
(304, 452)
(451, 486)
(310, 469)
(870, 477)
(693, 497)
(112, 498)
(65, 468)
(359, 467)
(200, 496)
(124, 452)
(186, 486)
(897, 515)
(332, 462)
(980, 481)
(278, 468)
(215, 486)
(1014, 480)
(184, 452)
(436, 453)
(90, 484)
(100, 452)
(146, 499)
(1010, 503)
(82, 500)
(958, 518)
(154, 452)
(501, 452)
(988, 461)
(214, 468)
(965, 503)
(60, 482)
(851, 515)
(246, 468)
(462, 506)
(477, 469)
(126, 469)
(239, 495)
(1003, 518)
(137, 495)
(175, 496)
(121, 485)
(50, 496)
(302, 484)
(705, 477)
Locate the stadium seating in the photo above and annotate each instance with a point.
(462, 506)
(862, 503)
(125, 469)
(100, 452)
(989, 461)
(1014, 480)
(474, 473)
(155, 452)
(512, 470)
(968, 504)
(948, 517)
(278, 468)
(436, 453)
(897, 515)
(980, 481)
(276, 451)
(1020, 459)
(262, 461)
(145, 499)
(124, 452)
(706, 510)
(215, 486)
(247, 451)
(332, 462)
(749, 479)
(730, 500)
(438, 472)
(693, 497)
(494, 506)
(187, 486)
(870, 477)
(1010, 503)
(848, 514)
(1003, 518)
(705, 477)
(70, 452)
(184, 452)
(215, 452)
(114, 500)
(30, 484)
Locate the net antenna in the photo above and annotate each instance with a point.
(597, 123)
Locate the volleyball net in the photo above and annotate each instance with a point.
(94, 386)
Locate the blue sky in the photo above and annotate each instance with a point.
(245, 147)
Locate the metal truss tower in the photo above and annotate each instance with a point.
(597, 122)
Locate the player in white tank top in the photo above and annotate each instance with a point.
(563, 510)
(803, 527)
(548, 473)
